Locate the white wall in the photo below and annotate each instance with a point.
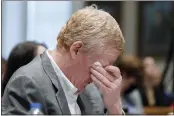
(47, 18)
(13, 25)
(32, 20)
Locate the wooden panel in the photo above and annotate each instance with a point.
(157, 110)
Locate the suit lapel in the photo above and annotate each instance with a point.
(84, 104)
(81, 105)
(63, 103)
(60, 95)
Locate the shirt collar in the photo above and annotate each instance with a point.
(69, 89)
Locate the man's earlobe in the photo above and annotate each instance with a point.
(75, 47)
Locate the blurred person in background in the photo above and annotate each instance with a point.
(3, 67)
(131, 68)
(151, 92)
(88, 45)
(21, 54)
(152, 72)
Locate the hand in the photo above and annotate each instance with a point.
(108, 80)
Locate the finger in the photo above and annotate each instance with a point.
(118, 81)
(102, 71)
(97, 82)
(113, 70)
(101, 78)
(97, 63)
(99, 68)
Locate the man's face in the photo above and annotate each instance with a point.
(84, 62)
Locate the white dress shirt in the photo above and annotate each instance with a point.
(68, 88)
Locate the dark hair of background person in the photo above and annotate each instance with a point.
(3, 65)
(132, 66)
(20, 55)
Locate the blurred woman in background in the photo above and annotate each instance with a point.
(21, 55)
(151, 92)
(131, 69)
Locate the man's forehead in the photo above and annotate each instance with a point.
(112, 52)
(109, 57)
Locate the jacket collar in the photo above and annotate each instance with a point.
(60, 95)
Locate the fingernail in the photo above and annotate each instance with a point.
(97, 63)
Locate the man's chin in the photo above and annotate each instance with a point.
(78, 92)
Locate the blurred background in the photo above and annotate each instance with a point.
(146, 26)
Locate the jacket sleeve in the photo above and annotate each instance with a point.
(94, 97)
(19, 93)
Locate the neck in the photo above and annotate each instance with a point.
(58, 57)
(61, 58)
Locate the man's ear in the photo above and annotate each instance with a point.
(75, 47)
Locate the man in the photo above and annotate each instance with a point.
(87, 46)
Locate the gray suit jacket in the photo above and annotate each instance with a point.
(94, 96)
(37, 82)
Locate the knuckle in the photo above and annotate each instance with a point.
(105, 74)
(98, 68)
(102, 80)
